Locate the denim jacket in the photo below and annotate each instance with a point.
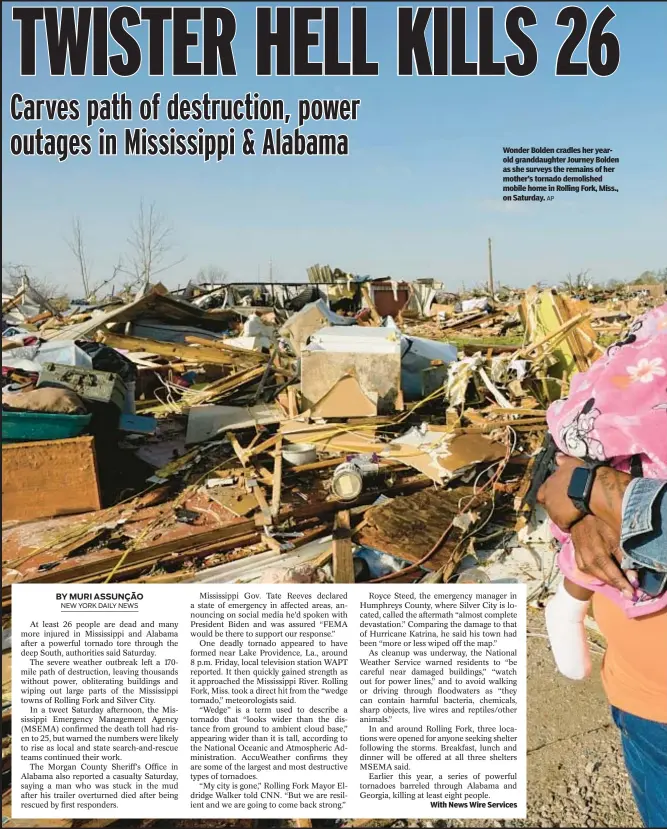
(644, 524)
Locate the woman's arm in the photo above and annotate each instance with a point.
(630, 511)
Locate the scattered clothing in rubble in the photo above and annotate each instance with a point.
(54, 401)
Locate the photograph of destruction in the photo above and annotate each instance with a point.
(362, 368)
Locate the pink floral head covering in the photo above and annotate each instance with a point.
(617, 411)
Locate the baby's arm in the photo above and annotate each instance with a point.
(565, 616)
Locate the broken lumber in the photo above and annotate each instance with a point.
(232, 350)
(292, 405)
(377, 319)
(195, 545)
(13, 302)
(173, 351)
(219, 388)
(343, 563)
(277, 477)
(553, 336)
(258, 492)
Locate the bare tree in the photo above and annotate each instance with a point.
(12, 277)
(211, 274)
(150, 242)
(651, 277)
(117, 268)
(576, 284)
(614, 284)
(76, 244)
(16, 276)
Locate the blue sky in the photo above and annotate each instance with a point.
(419, 193)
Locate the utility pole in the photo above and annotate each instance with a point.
(490, 271)
(271, 271)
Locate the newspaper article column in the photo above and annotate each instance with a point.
(100, 722)
(441, 687)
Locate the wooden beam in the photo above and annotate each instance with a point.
(265, 375)
(326, 464)
(323, 558)
(277, 477)
(232, 350)
(292, 407)
(173, 351)
(219, 388)
(262, 447)
(14, 301)
(552, 336)
(193, 546)
(365, 292)
(238, 449)
(343, 564)
(45, 315)
(311, 467)
(258, 492)
(262, 473)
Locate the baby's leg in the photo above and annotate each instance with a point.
(565, 616)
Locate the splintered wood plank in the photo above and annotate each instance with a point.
(292, 405)
(261, 447)
(409, 526)
(258, 492)
(262, 473)
(172, 351)
(375, 316)
(277, 477)
(236, 446)
(343, 564)
(239, 354)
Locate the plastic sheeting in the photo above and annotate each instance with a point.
(32, 357)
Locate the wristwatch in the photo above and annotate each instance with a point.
(581, 486)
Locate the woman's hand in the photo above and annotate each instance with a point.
(606, 501)
(597, 551)
(553, 493)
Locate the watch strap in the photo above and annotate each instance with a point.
(582, 502)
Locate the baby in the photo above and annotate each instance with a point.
(617, 413)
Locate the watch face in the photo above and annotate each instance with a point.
(578, 483)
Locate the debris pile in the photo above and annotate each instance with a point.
(166, 434)
(340, 430)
